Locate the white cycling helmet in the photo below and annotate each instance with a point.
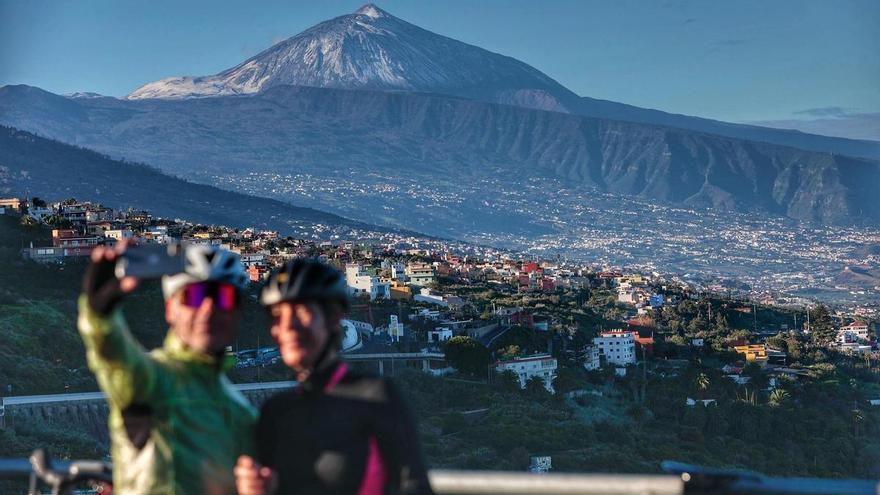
(206, 264)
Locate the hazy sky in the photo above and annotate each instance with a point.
(732, 60)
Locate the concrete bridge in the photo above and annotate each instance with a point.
(89, 410)
(389, 362)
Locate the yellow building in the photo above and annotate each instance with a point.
(399, 290)
(12, 203)
(753, 352)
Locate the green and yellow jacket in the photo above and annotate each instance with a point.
(177, 425)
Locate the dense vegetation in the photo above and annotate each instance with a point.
(819, 428)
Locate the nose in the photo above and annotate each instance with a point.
(207, 306)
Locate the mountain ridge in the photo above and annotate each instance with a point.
(53, 169)
(308, 129)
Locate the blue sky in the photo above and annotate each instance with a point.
(779, 60)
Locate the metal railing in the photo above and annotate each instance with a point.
(683, 479)
(512, 483)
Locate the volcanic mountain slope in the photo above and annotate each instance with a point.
(290, 129)
(58, 171)
(372, 49)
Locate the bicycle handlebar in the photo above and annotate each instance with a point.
(60, 476)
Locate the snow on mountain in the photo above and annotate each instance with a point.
(372, 49)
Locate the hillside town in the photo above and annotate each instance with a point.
(429, 293)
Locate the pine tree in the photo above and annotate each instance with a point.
(822, 330)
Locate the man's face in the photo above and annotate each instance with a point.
(301, 332)
(199, 323)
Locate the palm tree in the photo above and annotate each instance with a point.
(703, 383)
(778, 397)
(29, 221)
(747, 397)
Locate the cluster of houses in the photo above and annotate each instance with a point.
(635, 290)
(404, 270)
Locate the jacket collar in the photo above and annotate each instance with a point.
(321, 375)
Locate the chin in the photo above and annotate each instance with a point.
(295, 361)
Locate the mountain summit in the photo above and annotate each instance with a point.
(372, 49)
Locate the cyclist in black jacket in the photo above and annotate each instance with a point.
(338, 431)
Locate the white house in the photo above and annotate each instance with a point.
(398, 271)
(118, 235)
(439, 334)
(627, 296)
(591, 358)
(855, 348)
(447, 301)
(40, 212)
(427, 296)
(852, 333)
(361, 283)
(618, 347)
(542, 366)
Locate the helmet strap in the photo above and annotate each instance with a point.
(329, 354)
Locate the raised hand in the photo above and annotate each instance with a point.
(102, 288)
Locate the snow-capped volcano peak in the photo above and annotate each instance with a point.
(372, 49)
(370, 10)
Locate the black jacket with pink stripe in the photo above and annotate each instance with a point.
(342, 432)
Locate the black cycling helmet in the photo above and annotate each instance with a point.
(304, 279)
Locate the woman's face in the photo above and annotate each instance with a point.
(301, 333)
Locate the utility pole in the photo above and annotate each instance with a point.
(808, 319)
(645, 373)
(755, 313)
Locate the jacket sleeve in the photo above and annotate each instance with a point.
(124, 370)
(401, 448)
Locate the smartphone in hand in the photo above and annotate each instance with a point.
(150, 261)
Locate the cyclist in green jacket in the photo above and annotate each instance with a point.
(176, 424)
